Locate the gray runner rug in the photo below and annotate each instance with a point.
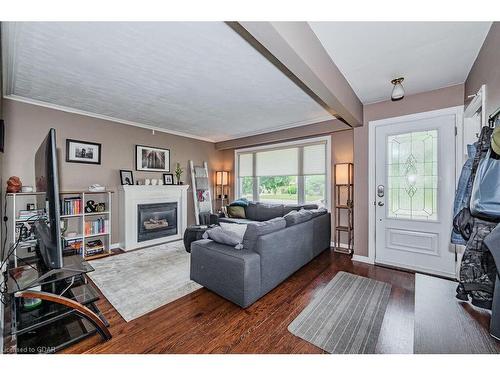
(140, 281)
(346, 316)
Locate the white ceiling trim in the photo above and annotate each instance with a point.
(163, 130)
(104, 117)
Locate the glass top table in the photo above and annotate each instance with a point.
(33, 275)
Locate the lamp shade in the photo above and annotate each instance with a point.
(222, 178)
(343, 173)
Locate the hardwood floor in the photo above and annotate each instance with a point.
(465, 329)
(203, 322)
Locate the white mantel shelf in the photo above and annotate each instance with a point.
(130, 196)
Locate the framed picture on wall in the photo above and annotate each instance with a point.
(83, 152)
(168, 179)
(152, 159)
(126, 177)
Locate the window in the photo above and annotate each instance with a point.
(295, 172)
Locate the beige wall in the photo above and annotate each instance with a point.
(486, 70)
(428, 101)
(27, 125)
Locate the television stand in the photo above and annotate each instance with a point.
(48, 275)
(67, 313)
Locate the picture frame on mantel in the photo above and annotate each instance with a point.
(152, 159)
(168, 179)
(83, 152)
(126, 177)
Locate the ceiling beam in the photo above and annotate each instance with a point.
(294, 49)
(305, 131)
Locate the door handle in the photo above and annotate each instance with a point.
(380, 203)
(380, 191)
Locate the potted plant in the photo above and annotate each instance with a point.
(178, 173)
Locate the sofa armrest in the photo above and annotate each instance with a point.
(233, 274)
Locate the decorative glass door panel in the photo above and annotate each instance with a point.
(412, 176)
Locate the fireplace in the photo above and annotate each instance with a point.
(167, 202)
(156, 220)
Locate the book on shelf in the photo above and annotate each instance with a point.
(98, 226)
(31, 214)
(72, 247)
(95, 247)
(71, 206)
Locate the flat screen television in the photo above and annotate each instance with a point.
(48, 233)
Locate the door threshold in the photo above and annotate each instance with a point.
(414, 271)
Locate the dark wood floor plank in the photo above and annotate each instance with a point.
(445, 325)
(203, 322)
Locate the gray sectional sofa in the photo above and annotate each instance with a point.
(243, 276)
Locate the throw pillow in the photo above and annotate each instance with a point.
(297, 217)
(224, 237)
(236, 212)
(242, 202)
(238, 229)
(255, 230)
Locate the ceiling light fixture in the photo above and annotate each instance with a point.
(398, 92)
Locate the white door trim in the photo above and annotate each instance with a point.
(372, 125)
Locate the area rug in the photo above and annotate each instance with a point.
(140, 281)
(346, 316)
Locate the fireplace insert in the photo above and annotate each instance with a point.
(156, 220)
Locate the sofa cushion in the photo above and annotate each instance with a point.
(318, 211)
(263, 211)
(296, 207)
(257, 229)
(297, 217)
(225, 236)
(234, 220)
(236, 212)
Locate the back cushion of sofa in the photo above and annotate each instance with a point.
(297, 217)
(255, 230)
(318, 212)
(262, 212)
(251, 211)
(296, 207)
(269, 211)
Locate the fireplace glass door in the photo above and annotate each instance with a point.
(156, 220)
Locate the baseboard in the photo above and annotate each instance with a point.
(114, 246)
(363, 259)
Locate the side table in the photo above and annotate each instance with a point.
(194, 233)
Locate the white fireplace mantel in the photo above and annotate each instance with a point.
(130, 196)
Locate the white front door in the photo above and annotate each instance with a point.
(414, 192)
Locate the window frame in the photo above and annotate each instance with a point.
(300, 177)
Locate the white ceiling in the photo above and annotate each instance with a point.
(430, 55)
(200, 79)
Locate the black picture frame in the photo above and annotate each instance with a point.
(139, 162)
(71, 146)
(165, 175)
(124, 173)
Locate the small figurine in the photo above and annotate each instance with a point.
(14, 185)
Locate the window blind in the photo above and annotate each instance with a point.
(314, 159)
(246, 165)
(283, 162)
